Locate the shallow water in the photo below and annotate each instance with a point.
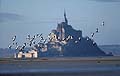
(60, 68)
(74, 66)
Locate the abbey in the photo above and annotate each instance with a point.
(66, 41)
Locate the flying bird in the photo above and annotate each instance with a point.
(103, 23)
(13, 43)
(76, 41)
(37, 35)
(42, 38)
(45, 40)
(9, 46)
(79, 38)
(87, 38)
(97, 30)
(24, 44)
(94, 43)
(67, 39)
(40, 35)
(71, 37)
(14, 38)
(34, 42)
(28, 37)
(34, 36)
(92, 34)
(16, 43)
(17, 47)
(30, 43)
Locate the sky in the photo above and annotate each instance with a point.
(23, 17)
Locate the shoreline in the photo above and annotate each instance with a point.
(104, 58)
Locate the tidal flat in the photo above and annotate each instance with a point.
(61, 66)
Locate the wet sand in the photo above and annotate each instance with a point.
(73, 66)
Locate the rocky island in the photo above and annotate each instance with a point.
(64, 41)
(68, 42)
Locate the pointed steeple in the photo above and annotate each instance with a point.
(66, 21)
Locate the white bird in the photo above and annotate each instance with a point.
(17, 47)
(30, 43)
(23, 47)
(24, 44)
(37, 35)
(28, 36)
(68, 38)
(79, 38)
(9, 46)
(76, 41)
(34, 42)
(16, 43)
(13, 43)
(45, 40)
(92, 34)
(97, 30)
(103, 23)
(40, 35)
(42, 38)
(14, 38)
(87, 38)
(71, 37)
(34, 37)
(94, 43)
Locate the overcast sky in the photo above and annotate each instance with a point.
(23, 17)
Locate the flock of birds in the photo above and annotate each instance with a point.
(39, 39)
(87, 38)
(32, 41)
(97, 30)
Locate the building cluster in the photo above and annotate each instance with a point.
(29, 54)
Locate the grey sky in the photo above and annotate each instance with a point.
(23, 17)
(107, 0)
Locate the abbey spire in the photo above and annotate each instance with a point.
(66, 21)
